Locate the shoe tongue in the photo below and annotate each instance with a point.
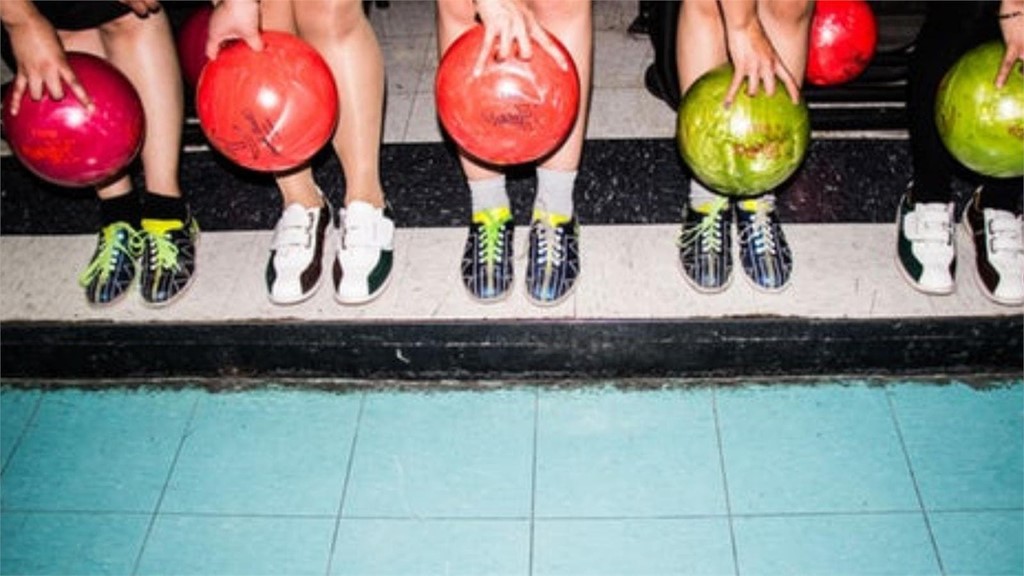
(295, 214)
(161, 226)
(360, 224)
(360, 212)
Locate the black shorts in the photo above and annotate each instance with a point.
(81, 15)
(78, 15)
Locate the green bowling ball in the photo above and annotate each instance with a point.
(744, 150)
(983, 126)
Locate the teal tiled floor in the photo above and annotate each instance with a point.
(835, 478)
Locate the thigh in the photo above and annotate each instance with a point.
(278, 15)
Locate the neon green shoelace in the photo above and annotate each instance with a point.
(118, 237)
(706, 231)
(164, 252)
(491, 223)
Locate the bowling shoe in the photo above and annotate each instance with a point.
(705, 245)
(112, 269)
(764, 252)
(925, 252)
(363, 265)
(553, 261)
(295, 267)
(487, 257)
(168, 261)
(999, 252)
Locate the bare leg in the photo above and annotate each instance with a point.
(340, 32)
(571, 22)
(700, 41)
(454, 17)
(89, 41)
(143, 48)
(296, 186)
(787, 24)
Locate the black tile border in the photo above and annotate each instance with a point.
(631, 181)
(511, 349)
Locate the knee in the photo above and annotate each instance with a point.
(700, 11)
(456, 14)
(329, 19)
(794, 13)
(561, 13)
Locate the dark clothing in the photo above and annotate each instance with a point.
(662, 77)
(950, 29)
(81, 15)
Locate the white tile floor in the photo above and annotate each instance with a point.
(629, 272)
(842, 271)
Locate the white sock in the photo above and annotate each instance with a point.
(764, 202)
(700, 196)
(554, 191)
(488, 194)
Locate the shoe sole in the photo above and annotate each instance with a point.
(300, 299)
(967, 235)
(555, 302)
(697, 287)
(906, 276)
(109, 303)
(368, 298)
(766, 290)
(492, 300)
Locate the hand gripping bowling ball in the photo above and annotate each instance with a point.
(983, 126)
(191, 44)
(844, 35)
(62, 142)
(270, 110)
(515, 111)
(746, 149)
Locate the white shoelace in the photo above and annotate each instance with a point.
(761, 228)
(549, 245)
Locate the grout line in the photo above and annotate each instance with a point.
(429, 518)
(76, 512)
(511, 519)
(344, 489)
(24, 431)
(533, 478)
(856, 105)
(895, 134)
(725, 483)
(913, 479)
(185, 433)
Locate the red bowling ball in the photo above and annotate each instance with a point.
(515, 111)
(270, 110)
(191, 44)
(844, 35)
(62, 142)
